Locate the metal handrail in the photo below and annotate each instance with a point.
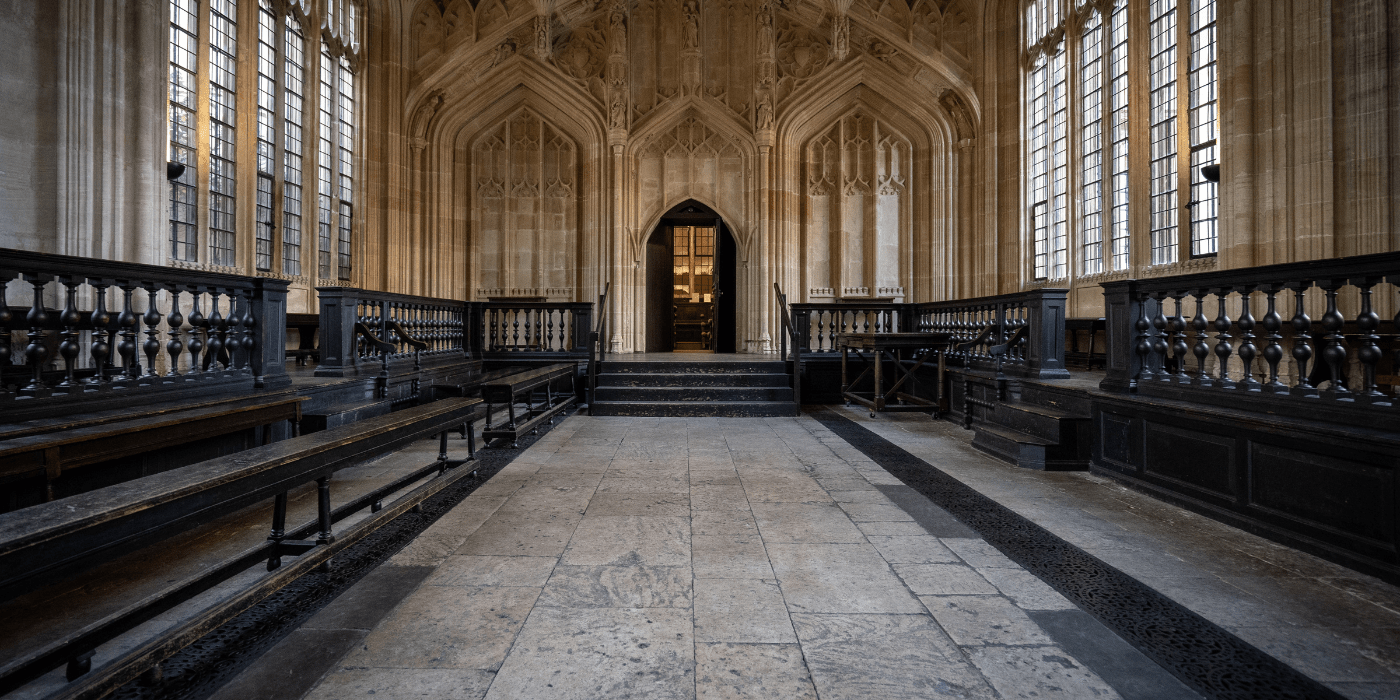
(596, 344)
(790, 329)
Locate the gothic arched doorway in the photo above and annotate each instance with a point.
(690, 282)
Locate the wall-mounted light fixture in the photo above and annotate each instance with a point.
(1211, 172)
(174, 170)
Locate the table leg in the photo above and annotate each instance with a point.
(844, 386)
(879, 398)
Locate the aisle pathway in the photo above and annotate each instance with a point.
(717, 558)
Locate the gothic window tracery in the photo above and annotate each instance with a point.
(524, 208)
(856, 208)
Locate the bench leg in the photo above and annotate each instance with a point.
(469, 432)
(442, 452)
(323, 510)
(279, 529)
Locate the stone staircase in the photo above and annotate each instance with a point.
(1037, 426)
(698, 388)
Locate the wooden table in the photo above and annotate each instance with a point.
(920, 345)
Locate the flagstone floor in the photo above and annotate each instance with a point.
(768, 558)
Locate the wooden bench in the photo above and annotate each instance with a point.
(508, 390)
(45, 542)
(47, 449)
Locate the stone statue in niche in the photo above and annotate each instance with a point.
(765, 113)
(765, 28)
(692, 24)
(618, 24)
(504, 51)
(617, 114)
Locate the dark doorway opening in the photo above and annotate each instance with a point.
(690, 282)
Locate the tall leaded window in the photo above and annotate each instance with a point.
(346, 146)
(293, 116)
(1091, 143)
(303, 105)
(1048, 101)
(1162, 133)
(1205, 148)
(223, 69)
(1117, 196)
(267, 134)
(1084, 44)
(184, 40)
(325, 164)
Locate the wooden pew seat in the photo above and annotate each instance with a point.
(47, 448)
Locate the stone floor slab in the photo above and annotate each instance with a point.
(751, 672)
(630, 540)
(571, 653)
(857, 657)
(741, 611)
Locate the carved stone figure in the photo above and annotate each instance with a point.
(617, 113)
(504, 51)
(765, 113)
(691, 28)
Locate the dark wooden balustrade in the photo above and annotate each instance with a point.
(1020, 334)
(987, 331)
(1227, 338)
(100, 334)
(535, 330)
(365, 332)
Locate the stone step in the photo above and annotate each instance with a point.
(698, 379)
(1040, 421)
(1025, 451)
(754, 409)
(697, 367)
(342, 414)
(694, 393)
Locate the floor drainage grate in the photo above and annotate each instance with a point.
(1206, 657)
(202, 667)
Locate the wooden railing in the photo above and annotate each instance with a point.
(598, 343)
(368, 333)
(789, 330)
(1020, 334)
(1160, 340)
(542, 330)
(82, 320)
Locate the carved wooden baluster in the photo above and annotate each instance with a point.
(127, 322)
(1159, 339)
(1302, 340)
(1273, 352)
(68, 349)
(6, 317)
(1223, 348)
(1369, 352)
(250, 332)
(37, 350)
(515, 330)
(197, 322)
(152, 320)
(1335, 354)
(1179, 346)
(1201, 349)
(549, 330)
(99, 349)
(1247, 349)
(216, 332)
(539, 328)
(1143, 344)
(491, 329)
(175, 322)
(233, 336)
(246, 322)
